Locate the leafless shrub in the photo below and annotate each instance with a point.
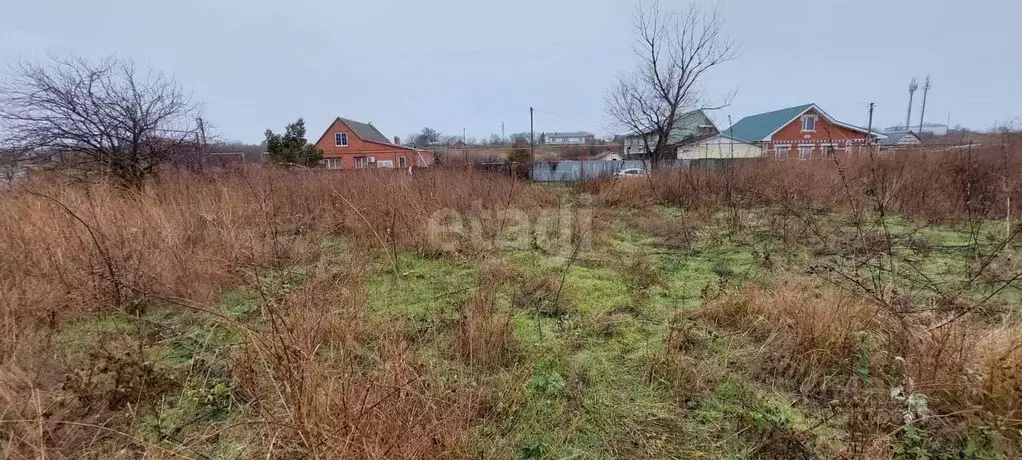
(484, 335)
(105, 116)
(838, 347)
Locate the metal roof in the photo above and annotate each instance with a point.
(575, 134)
(896, 137)
(755, 128)
(366, 131)
(687, 127)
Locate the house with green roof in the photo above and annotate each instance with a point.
(803, 131)
(689, 128)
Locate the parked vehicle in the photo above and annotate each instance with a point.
(631, 172)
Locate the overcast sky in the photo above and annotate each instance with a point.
(405, 64)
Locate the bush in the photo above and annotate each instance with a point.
(830, 345)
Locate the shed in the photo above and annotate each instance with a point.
(900, 139)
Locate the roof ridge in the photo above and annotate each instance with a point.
(360, 130)
(800, 107)
(756, 127)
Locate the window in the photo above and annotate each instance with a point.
(361, 162)
(828, 150)
(385, 164)
(401, 162)
(805, 151)
(333, 163)
(808, 123)
(781, 151)
(341, 139)
(848, 148)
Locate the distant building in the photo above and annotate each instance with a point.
(803, 132)
(689, 128)
(576, 138)
(348, 144)
(935, 129)
(898, 140)
(608, 155)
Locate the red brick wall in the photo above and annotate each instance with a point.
(826, 133)
(360, 148)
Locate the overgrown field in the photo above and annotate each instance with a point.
(855, 308)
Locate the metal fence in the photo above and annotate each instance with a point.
(576, 170)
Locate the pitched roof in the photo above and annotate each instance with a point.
(896, 137)
(756, 128)
(366, 131)
(687, 126)
(574, 134)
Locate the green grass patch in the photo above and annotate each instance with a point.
(422, 287)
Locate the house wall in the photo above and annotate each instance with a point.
(719, 147)
(568, 140)
(633, 145)
(361, 148)
(826, 133)
(691, 125)
(608, 156)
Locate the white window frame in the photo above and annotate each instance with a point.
(824, 147)
(340, 139)
(808, 149)
(782, 150)
(333, 163)
(361, 162)
(402, 162)
(805, 118)
(385, 164)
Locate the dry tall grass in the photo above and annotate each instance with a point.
(71, 250)
(319, 377)
(832, 346)
(934, 185)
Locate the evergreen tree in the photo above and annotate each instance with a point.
(292, 147)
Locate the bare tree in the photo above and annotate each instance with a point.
(675, 52)
(8, 165)
(105, 116)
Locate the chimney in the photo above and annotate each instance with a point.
(397, 140)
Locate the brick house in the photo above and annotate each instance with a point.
(348, 144)
(804, 132)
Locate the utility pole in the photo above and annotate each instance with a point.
(947, 129)
(502, 138)
(912, 87)
(464, 135)
(202, 132)
(869, 127)
(532, 138)
(922, 113)
(200, 139)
